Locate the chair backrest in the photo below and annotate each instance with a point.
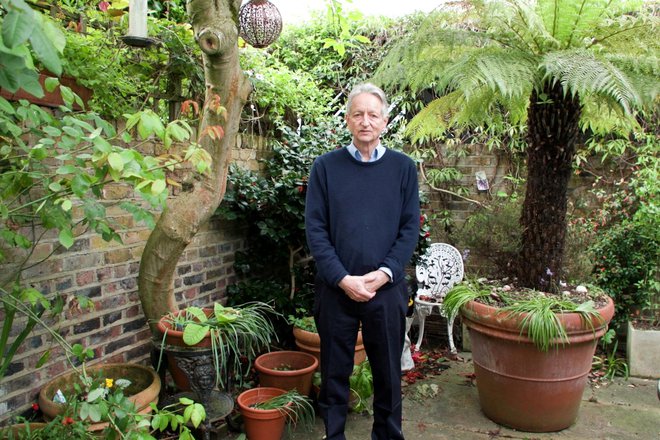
(438, 270)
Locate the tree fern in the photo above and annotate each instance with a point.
(580, 72)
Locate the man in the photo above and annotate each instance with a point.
(362, 225)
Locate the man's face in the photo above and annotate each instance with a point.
(366, 121)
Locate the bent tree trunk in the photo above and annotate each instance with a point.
(215, 24)
(552, 133)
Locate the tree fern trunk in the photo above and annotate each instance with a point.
(216, 30)
(552, 133)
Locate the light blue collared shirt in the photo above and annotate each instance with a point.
(377, 154)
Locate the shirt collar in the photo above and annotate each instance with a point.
(377, 153)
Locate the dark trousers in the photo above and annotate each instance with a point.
(338, 319)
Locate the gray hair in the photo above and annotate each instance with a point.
(371, 89)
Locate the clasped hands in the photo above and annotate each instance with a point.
(363, 288)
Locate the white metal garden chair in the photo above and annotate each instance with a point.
(438, 270)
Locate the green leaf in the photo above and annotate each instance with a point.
(66, 169)
(158, 186)
(115, 161)
(197, 415)
(51, 84)
(66, 205)
(43, 47)
(17, 27)
(186, 401)
(6, 107)
(54, 34)
(43, 359)
(193, 333)
(95, 394)
(66, 238)
(95, 413)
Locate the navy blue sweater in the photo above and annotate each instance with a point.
(360, 216)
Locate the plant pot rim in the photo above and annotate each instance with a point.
(247, 398)
(478, 314)
(260, 361)
(175, 337)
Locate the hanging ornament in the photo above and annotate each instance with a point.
(260, 23)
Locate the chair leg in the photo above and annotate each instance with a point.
(407, 362)
(450, 335)
(422, 313)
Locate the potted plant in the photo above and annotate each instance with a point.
(85, 390)
(229, 333)
(267, 410)
(532, 351)
(309, 341)
(287, 370)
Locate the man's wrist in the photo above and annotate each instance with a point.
(387, 272)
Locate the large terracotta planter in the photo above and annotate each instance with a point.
(144, 388)
(261, 424)
(522, 387)
(310, 342)
(287, 370)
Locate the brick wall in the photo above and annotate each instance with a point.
(106, 273)
(477, 158)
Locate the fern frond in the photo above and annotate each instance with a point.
(435, 119)
(509, 74)
(581, 73)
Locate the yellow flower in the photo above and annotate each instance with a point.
(108, 383)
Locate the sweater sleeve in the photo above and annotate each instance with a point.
(317, 228)
(401, 251)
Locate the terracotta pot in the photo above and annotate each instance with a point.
(310, 342)
(50, 99)
(261, 424)
(522, 387)
(287, 370)
(174, 337)
(144, 388)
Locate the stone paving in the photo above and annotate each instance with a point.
(446, 407)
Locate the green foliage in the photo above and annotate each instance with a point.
(538, 313)
(236, 332)
(24, 33)
(361, 384)
(626, 264)
(281, 94)
(609, 365)
(485, 63)
(297, 408)
(56, 168)
(303, 321)
(123, 79)
(98, 399)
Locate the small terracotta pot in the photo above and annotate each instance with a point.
(310, 342)
(287, 370)
(261, 424)
(144, 388)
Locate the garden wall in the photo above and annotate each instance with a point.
(106, 273)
